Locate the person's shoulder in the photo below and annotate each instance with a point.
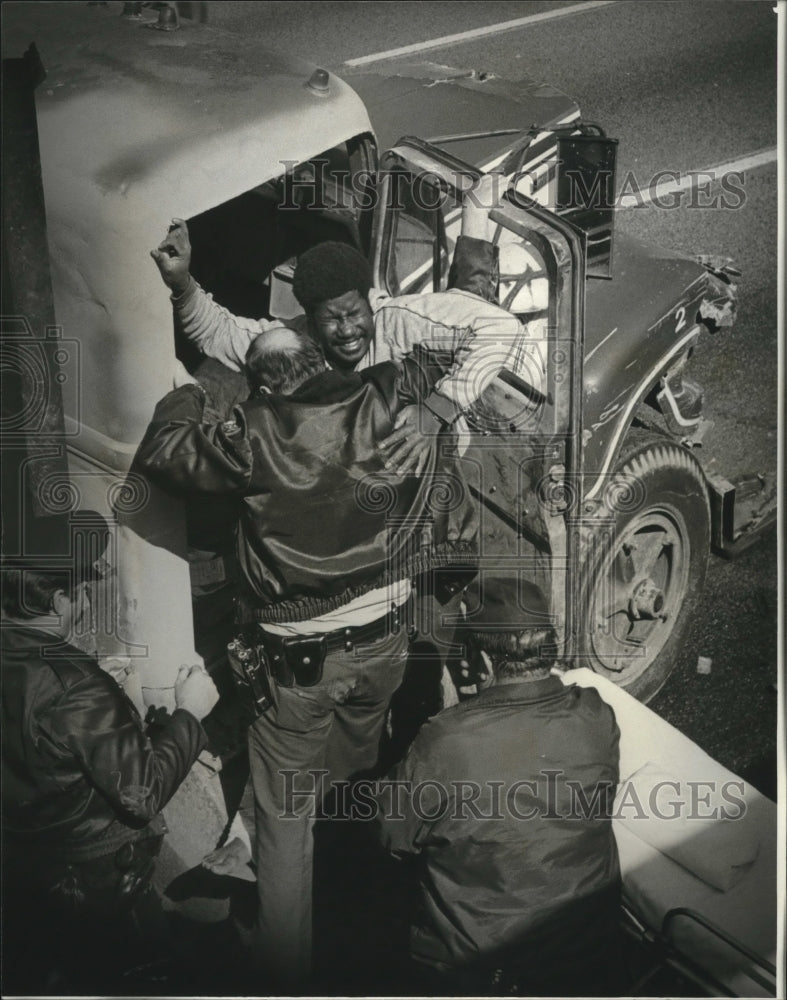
(251, 409)
(64, 672)
(385, 372)
(324, 388)
(429, 748)
(449, 722)
(591, 703)
(73, 666)
(224, 389)
(478, 304)
(34, 657)
(28, 643)
(378, 297)
(412, 303)
(453, 305)
(588, 695)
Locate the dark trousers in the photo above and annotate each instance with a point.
(334, 727)
(82, 927)
(576, 952)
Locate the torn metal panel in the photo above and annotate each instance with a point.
(636, 326)
(720, 306)
(409, 98)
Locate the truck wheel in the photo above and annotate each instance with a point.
(643, 570)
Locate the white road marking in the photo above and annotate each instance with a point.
(663, 190)
(490, 29)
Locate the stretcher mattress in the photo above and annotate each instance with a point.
(694, 792)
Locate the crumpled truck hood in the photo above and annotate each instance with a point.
(409, 98)
(638, 323)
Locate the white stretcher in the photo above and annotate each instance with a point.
(702, 890)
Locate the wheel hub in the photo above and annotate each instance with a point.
(638, 592)
(647, 602)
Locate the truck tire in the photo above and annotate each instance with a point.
(643, 564)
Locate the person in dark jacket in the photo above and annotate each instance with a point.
(328, 541)
(506, 799)
(322, 521)
(358, 325)
(83, 789)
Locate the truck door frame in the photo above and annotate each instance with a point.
(564, 248)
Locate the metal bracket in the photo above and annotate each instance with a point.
(689, 430)
(740, 511)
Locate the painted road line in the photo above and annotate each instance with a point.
(491, 29)
(632, 199)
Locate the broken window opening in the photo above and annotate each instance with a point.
(244, 250)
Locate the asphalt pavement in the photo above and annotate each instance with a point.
(684, 86)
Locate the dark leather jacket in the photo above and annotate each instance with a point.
(80, 776)
(507, 797)
(321, 521)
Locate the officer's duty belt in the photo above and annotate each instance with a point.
(299, 658)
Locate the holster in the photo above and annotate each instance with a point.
(300, 659)
(296, 659)
(251, 672)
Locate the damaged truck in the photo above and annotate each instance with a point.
(584, 456)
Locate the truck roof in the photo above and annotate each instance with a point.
(137, 126)
(136, 111)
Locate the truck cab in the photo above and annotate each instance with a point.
(582, 455)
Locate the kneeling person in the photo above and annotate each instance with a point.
(507, 798)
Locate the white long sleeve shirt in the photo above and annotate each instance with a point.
(482, 336)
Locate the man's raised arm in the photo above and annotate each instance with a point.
(214, 330)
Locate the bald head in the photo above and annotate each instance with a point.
(280, 359)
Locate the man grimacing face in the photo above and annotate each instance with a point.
(344, 327)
